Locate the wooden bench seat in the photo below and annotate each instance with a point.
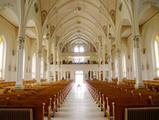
(113, 98)
(43, 100)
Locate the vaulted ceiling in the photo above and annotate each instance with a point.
(87, 21)
(70, 20)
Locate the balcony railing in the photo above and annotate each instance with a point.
(88, 62)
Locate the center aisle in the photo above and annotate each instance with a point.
(79, 105)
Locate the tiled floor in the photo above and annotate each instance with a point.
(79, 105)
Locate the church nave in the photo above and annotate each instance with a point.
(79, 105)
(108, 50)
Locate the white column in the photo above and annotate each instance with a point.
(120, 74)
(104, 75)
(38, 66)
(59, 75)
(54, 72)
(99, 63)
(110, 60)
(86, 75)
(72, 75)
(103, 63)
(58, 63)
(44, 72)
(100, 67)
(65, 75)
(93, 74)
(21, 35)
(139, 80)
(48, 71)
(97, 75)
(48, 63)
(110, 70)
(54, 64)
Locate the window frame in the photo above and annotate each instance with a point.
(78, 49)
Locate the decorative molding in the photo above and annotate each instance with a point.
(36, 7)
(21, 42)
(112, 14)
(120, 6)
(9, 4)
(43, 15)
(52, 29)
(144, 50)
(105, 29)
(13, 52)
(136, 41)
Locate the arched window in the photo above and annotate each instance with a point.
(42, 68)
(156, 51)
(76, 49)
(124, 65)
(2, 57)
(34, 66)
(81, 49)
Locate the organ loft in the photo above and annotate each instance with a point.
(79, 59)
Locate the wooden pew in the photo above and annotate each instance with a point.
(114, 99)
(44, 100)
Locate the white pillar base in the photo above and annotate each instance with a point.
(49, 80)
(109, 79)
(110, 76)
(139, 85)
(120, 81)
(19, 86)
(38, 82)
